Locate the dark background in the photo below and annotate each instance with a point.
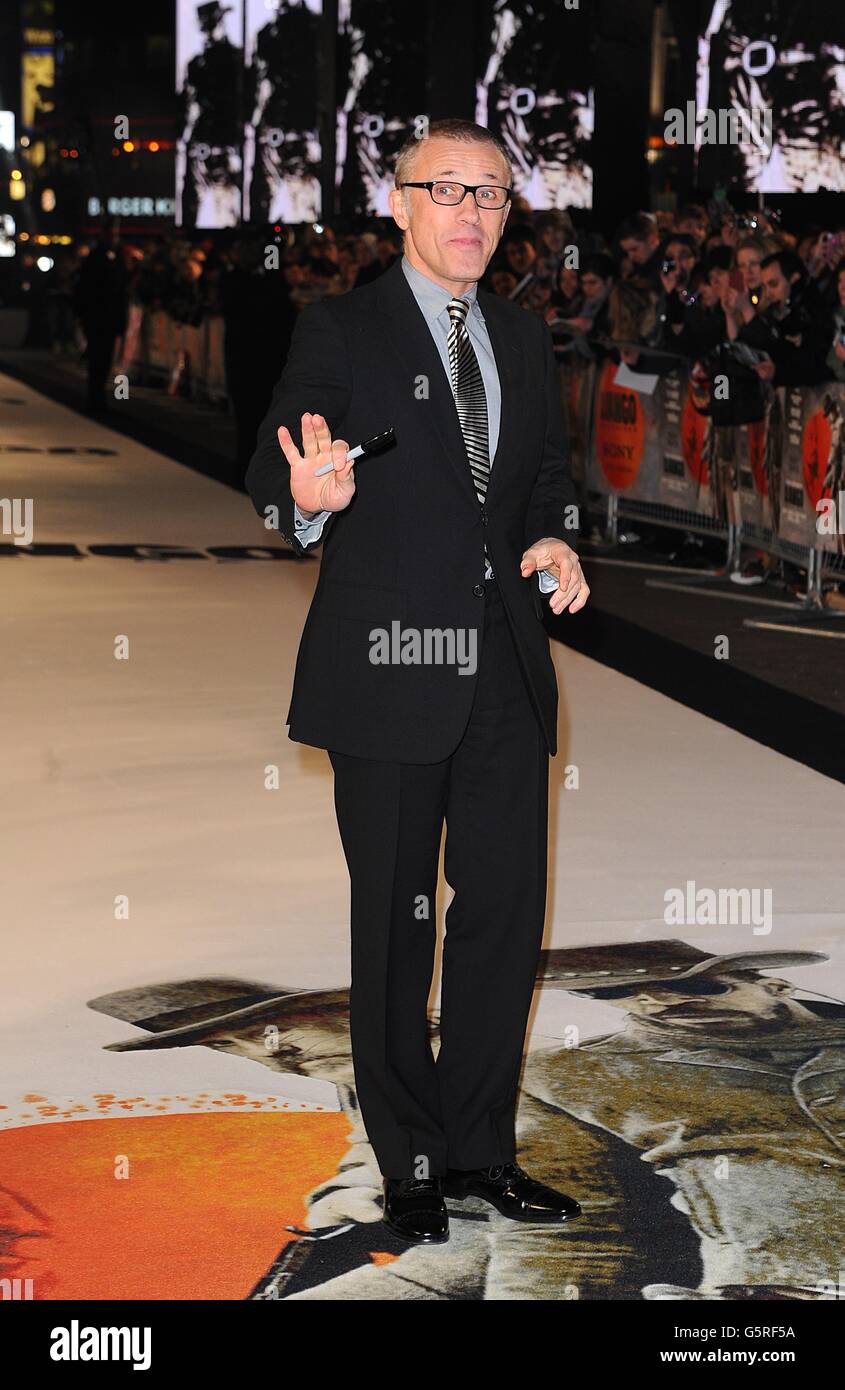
(121, 58)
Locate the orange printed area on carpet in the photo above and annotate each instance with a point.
(201, 1211)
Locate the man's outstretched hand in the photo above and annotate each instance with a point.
(555, 555)
(334, 490)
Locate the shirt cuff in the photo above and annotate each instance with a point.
(310, 529)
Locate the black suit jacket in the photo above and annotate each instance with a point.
(410, 546)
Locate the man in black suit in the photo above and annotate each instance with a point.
(424, 667)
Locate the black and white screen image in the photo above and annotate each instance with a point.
(534, 89)
(210, 82)
(786, 57)
(381, 66)
(282, 144)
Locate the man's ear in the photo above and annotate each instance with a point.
(397, 209)
(504, 220)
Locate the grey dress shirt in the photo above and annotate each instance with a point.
(432, 300)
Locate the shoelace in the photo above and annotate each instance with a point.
(511, 1170)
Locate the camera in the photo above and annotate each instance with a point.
(668, 266)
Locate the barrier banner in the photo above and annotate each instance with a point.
(625, 455)
(653, 448)
(768, 475)
(813, 466)
(159, 342)
(215, 370)
(758, 466)
(577, 391)
(723, 462)
(193, 345)
(132, 348)
(685, 445)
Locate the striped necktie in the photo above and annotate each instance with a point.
(470, 401)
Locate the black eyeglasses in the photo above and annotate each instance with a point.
(493, 195)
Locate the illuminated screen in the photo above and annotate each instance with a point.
(247, 76)
(210, 82)
(7, 235)
(7, 131)
(786, 58)
(382, 63)
(534, 90)
(38, 74)
(282, 153)
(246, 73)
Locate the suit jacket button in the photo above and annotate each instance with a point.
(478, 590)
(484, 518)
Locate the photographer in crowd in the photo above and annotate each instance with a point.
(794, 327)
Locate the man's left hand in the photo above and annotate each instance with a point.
(555, 555)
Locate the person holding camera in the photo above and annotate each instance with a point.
(794, 327)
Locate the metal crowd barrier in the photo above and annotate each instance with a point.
(159, 351)
(182, 357)
(630, 452)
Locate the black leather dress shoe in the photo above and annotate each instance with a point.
(414, 1209)
(512, 1192)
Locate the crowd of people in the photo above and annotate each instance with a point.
(709, 292)
(769, 305)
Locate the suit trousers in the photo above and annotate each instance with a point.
(423, 1115)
